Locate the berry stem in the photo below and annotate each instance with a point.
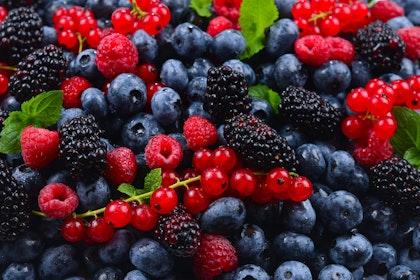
(81, 41)
(319, 16)
(8, 67)
(136, 11)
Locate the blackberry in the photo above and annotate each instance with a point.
(179, 232)
(227, 93)
(14, 206)
(309, 112)
(81, 149)
(21, 32)
(381, 47)
(257, 144)
(3, 116)
(398, 183)
(12, 4)
(42, 70)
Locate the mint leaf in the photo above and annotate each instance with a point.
(201, 7)
(10, 135)
(153, 179)
(254, 17)
(266, 93)
(44, 109)
(407, 134)
(412, 155)
(127, 189)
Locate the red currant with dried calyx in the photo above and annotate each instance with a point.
(144, 217)
(99, 230)
(118, 213)
(163, 200)
(195, 200)
(214, 181)
(73, 229)
(243, 181)
(300, 189)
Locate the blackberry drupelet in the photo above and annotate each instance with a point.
(20, 33)
(14, 206)
(227, 93)
(3, 116)
(42, 70)
(12, 4)
(307, 111)
(398, 183)
(179, 232)
(381, 47)
(81, 149)
(257, 144)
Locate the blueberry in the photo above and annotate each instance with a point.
(19, 271)
(166, 106)
(335, 271)
(109, 273)
(127, 94)
(289, 245)
(374, 277)
(265, 75)
(196, 108)
(360, 73)
(150, 257)
(319, 196)
(351, 250)
(262, 109)
(10, 104)
(416, 238)
(250, 271)
(285, 7)
(281, 37)
(135, 275)
(250, 241)
(94, 195)
(293, 136)
(266, 215)
(102, 8)
(27, 247)
(228, 44)
(311, 161)
(411, 258)
(379, 220)
(399, 22)
(244, 68)
(292, 270)
(196, 89)
(390, 77)
(91, 261)
(138, 130)
(318, 261)
(179, 10)
(174, 74)
(333, 100)
(288, 70)
(32, 180)
(225, 216)
(199, 68)
(57, 262)
(68, 114)
(146, 46)
(359, 183)
(400, 271)
(94, 102)
(332, 77)
(189, 41)
(49, 35)
(75, 278)
(340, 169)
(84, 65)
(299, 217)
(383, 258)
(115, 251)
(407, 68)
(414, 17)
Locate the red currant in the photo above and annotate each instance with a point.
(262, 193)
(163, 200)
(379, 105)
(68, 39)
(4, 84)
(353, 126)
(278, 180)
(413, 100)
(330, 26)
(151, 23)
(189, 173)
(98, 230)
(148, 72)
(86, 24)
(302, 9)
(202, 159)
(300, 189)
(169, 177)
(94, 37)
(224, 158)
(195, 200)
(59, 13)
(144, 217)
(164, 13)
(3, 13)
(402, 91)
(243, 181)
(65, 23)
(123, 20)
(118, 213)
(73, 229)
(214, 181)
(357, 100)
(385, 127)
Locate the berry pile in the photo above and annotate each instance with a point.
(209, 140)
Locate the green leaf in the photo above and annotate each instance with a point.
(153, 179)
(127, 189)
(266, 93)
(407, 134)
(254, 17)
(44, 109)
(10, 135)
(201, 7)
(412, 155)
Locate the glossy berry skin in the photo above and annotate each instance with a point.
(278, 181)
(243, 181)
(224, 158)
(202, 159)
(166, 106)
(292, 270)
(99, 230)
(214, 181)
(289, 245)
(118, 213)
(144, 217)
(163, 200)
(73, 229)
(189, 41)
(94, 102)
(351, 250)
(228, 44)
(195, 200)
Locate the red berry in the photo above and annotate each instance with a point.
(300, 189)
(224, 158)
(302, 9)
(121, 166)
(148, 72)
(99, 230)
(357, 100)
(243, 181)
(218, 24)
(385, 127)
(370, 150)
(195, 200)
(214, 181)
(379, 105)
(312, 50)
(202, 159)
(4, 84)
(144, 217)
(227, 8)
(386, 9)
(86, 24)
(163, 151)
(68, 39)
(411, 37)
(340, 49)
(278, 181)
(94, 37)
(65, 23)
(73, 229)
(190, 173)
(151, 23)
(163, 200)
(163, 12)
(118, 213)
(39, 146)
(330, 26)
(413, 100)
(199, 132)
(73, 88)
(57, 200)
(122, 20)
(402, 91)
(353, 126)
(169, 177)
(262, 193)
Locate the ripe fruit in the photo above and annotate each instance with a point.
(118, 213)
(57, 200)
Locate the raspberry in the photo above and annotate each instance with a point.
(214, 256)
(228, 8)
(121, 166)
(340, 49)
(163, 151)
(385, 10)
(57, 200)
(39, 146)
(199, 132)
(218, 24)
(371, 151)
(116, 54)
(411, 37)
(72, 90)
(312, 50)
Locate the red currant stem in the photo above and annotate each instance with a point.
(293, 174)
(373, 2)
(81, 41)
(136, 11)
(321, 15)
(369, 116)
(8, 67)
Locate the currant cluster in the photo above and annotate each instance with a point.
(330, 17)
(76, 26)
(373, 106)
(151, 16)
